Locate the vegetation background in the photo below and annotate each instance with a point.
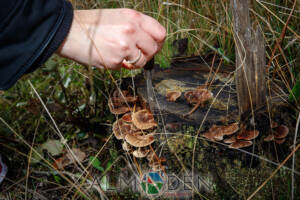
(76, 97)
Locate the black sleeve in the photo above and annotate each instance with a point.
(30, 32)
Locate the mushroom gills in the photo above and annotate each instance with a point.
(139, 140)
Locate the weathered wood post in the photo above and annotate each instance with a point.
(250, 59)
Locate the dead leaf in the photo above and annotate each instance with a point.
(54, 147)
(68, 158)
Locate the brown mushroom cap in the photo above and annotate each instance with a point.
(240, 144)
(173, 95)
(198, 95)
(118, 103)
(127, 118)
(280, 141)
(269, 138)
(226, 130)
(248, 135)
(218, 132)
(116, 108)
(143, 119)
(281, 132)
(211, 136)
(140, 152)
(120, 129)
(139, 140)
(123, 97)
(230, 140)
(123, 100)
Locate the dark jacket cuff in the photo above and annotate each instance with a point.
(57, 40)
(30, 32)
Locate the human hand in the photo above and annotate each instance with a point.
(105, 38)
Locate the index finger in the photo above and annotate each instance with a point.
(153, 28)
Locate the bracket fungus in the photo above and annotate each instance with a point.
(143, 119)
(281, 132)
(118, 103)
(229, 129)
(230, 140)
(139, 140)
(248, 134)
(218, 132)
(117, 108)
(121, 129)
(240, 144)
(172, 96)
(123, 96)
(133, 128)
(278, 134)
(269, 138)
(280, 141)
(127, 118)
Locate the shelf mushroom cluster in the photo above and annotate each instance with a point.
(243, 139)
(197, 96)
(278, 134)
(135, 128)
(120, 102)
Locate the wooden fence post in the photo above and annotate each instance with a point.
(250, 59)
